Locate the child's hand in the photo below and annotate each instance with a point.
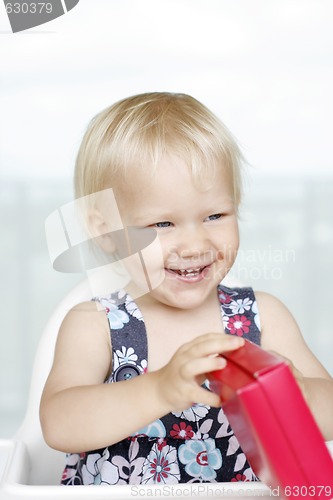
(180, 380)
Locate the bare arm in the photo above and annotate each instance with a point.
(281, 334)
(79, 412)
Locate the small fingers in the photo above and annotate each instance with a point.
(201, 366)
(206, 397)
(213, 343)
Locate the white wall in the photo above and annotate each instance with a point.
(265, 67)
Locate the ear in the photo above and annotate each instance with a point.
(100, 231)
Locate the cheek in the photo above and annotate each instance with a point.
(146, 268)
(229, 242)
(154, 260)
(235, 237)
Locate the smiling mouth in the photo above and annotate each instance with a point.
(188, 273)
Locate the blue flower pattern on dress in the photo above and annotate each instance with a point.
(116, 317)
(194, 445)
(201, 458)
(157, 428)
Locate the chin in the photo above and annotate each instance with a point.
(183, 299)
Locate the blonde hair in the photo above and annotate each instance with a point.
(139, 130)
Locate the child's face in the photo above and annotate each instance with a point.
(197, 228)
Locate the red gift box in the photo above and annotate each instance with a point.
(273, 423)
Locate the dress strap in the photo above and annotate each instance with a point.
(128, 336)
(240, 312)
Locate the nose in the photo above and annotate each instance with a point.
(192, 242)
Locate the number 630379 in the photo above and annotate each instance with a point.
(28, 8)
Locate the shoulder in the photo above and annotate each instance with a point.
(280, 333)
(85, 316)
(82, 352)
(270, 306)
(277, 322)
(84, 336)
(84, 325)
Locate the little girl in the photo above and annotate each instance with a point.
(126, 397)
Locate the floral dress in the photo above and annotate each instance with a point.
(195, 445)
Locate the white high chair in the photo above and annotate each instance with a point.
(30, 469)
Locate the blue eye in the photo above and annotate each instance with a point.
(214, 217)
(163, 224)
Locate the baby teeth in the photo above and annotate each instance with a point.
(191, 272)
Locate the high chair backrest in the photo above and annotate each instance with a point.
(46, 464)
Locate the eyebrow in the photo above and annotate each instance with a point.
(150, 218)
